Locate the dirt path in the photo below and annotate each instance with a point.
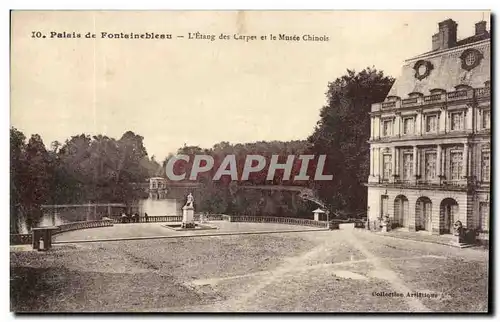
(321, 254)
(382, 271)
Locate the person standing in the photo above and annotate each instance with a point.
(146, 216)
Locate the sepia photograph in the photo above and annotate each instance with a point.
(250, 161)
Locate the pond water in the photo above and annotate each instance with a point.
(159, 207)
(153, 207)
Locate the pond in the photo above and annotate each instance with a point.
(73, 213)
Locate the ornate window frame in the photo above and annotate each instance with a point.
(425, 117)
(482, 111)
(382, 123)
(462, 113)
(485, 150)
(428, 68)
(404, 118)
(478, 55)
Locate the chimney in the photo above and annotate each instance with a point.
(447, 35)
(480, 28)
(436, 42)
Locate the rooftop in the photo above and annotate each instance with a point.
(443, 67)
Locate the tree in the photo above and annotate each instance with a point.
(342, 134)
(18, 166)
(36, 179)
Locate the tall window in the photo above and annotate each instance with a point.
(407, 166)
(387, 166)
(387, 128)
(484, 216)
(430, 165)
(457, 121)
(486, 119)
(485, 166)
(431, 123)
(456, 165)
(408, 125)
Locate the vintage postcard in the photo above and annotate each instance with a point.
(250, 161)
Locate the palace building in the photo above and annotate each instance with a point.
(430, 138)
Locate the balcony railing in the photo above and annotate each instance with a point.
(433, 98)
(482, 92)
(410, 102)
(420, 183)
(459, 95)
(391, 104)
(463, 94)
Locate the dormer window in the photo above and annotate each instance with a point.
(471, 58)
(462, 87)
(422, 69)
(415, 94)
(437, 91)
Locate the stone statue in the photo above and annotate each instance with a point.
(190, 200)
(459, 229)
(386, 223)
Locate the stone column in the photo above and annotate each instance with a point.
(380, 163)
(465, 160)
(416, 124)
(371, 161)
(438, 161)
(393, 165)
(446, 121)
(468, 118)
(470, 170)
(397, 127)
(415, 156)
(420, 122)
(442, 121)
(372, 128)
(398, 167)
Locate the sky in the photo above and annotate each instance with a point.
(200, 92)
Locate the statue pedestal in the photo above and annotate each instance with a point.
(188, 217)
(459, 238)
(386, 225)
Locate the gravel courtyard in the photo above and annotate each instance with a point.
(323, 271)
(157, 230)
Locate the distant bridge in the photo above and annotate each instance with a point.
(304, 192)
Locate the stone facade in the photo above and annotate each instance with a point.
(430, 139)
(157, 188)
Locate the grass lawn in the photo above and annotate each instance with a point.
(325, 271)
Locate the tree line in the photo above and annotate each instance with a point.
(80, 170)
